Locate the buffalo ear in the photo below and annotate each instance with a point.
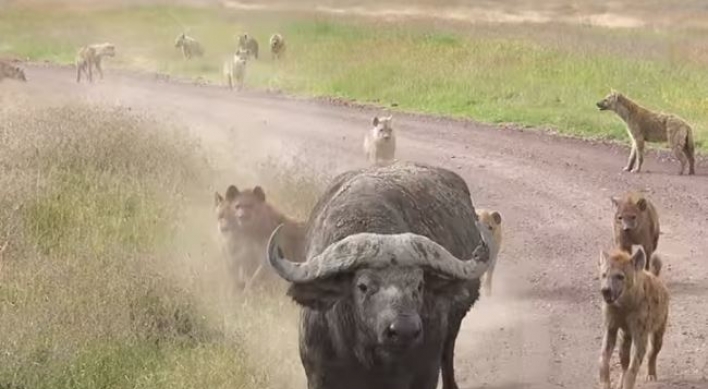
(321, 295)
(452, 290)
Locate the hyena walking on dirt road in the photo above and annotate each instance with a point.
(190, 47)
(489, 225)
(636, 302)
(644, 125)
(380, 142)
(8, 70)
(635, 221)
(90, 56)
(235, 68)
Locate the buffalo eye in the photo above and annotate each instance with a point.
(619, 277)
(363, 288)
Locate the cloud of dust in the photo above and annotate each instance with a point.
(265, 323)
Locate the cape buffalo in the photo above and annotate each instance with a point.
(394, 257)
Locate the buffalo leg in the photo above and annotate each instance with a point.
(428, 379)
(448, 356)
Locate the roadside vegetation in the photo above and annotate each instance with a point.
(547, 75)
(110, 278)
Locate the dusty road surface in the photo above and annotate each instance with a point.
(542, 327)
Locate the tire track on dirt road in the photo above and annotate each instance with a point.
(542, 327)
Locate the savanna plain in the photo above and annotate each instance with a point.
(111, 276)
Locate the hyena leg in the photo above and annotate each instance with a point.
(679, 154)
(624, 352)
(691, 162)
(640, 348)
(98, 67)
(657, 340)
(639, 155)
(632, 157)
(78, 72)
(608, 344)
(488, 280)
(89, 68)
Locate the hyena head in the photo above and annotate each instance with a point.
(275, 40)
(489, 226)
(609, 102)
(618, 272)
(242, 39)
(382, 128)
(490, 220)
(241, 55)
(630, 212)
(17, 73)
(239, 209)
(107, 49)
(179, 42)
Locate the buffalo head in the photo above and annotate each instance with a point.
(384, 278)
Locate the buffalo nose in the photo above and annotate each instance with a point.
(404, 330)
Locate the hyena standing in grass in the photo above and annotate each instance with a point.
(90, 56)
(8, 70)
(249, 44)
(235, 68)
(277, 46)
(635, 302)
(380, 141)
(190, 47)
(644, 125)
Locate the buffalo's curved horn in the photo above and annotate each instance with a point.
(375, 251)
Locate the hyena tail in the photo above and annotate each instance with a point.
(655, 264)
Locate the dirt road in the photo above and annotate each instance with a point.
(541, 329)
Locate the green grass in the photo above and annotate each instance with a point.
(110, 278)
(546, 76)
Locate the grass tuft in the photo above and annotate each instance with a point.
(106, 279)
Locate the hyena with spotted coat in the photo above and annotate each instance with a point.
(8, 70)
(635, 305)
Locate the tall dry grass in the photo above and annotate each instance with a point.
(111, 277)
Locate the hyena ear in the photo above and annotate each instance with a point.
(231, 192)
(376, 121)
(603, 258)
(259, 193)
(639, 258)
(642, 204)
(217, 199)
(497, 217)
(615, 201)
